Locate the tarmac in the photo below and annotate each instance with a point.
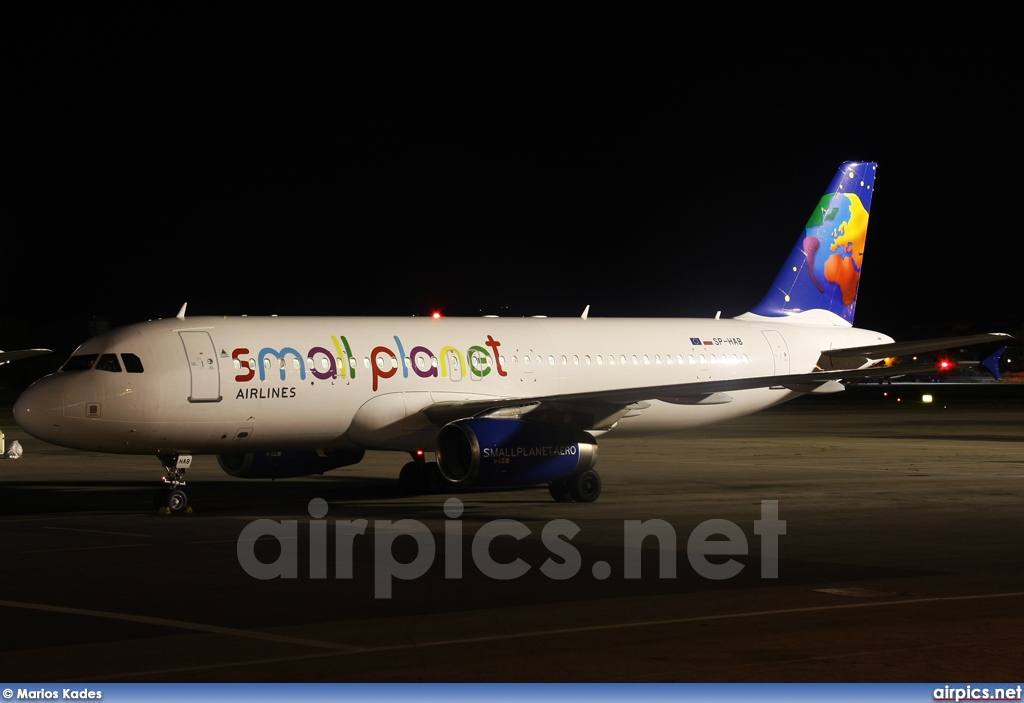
(862, 537)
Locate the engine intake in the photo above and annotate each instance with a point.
(505, 452)
(287, 464)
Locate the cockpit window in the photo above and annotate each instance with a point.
(109, 362)
(80, 362)
(132, 363)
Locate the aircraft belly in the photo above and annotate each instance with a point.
(663, 417)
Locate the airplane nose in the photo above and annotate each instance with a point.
(39, 410)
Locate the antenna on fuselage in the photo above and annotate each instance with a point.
(181, 313)
(585, 311)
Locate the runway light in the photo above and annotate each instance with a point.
(926, 398)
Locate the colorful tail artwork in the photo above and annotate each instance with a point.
(823, 270)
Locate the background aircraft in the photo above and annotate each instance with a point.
(8, 357)
(497, 401)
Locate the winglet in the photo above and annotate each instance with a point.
(181, 313)
(991, 362)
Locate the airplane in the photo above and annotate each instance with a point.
(497, 401)
(8, 357)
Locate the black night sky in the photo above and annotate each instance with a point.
(244, 173)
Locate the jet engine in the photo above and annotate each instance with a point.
(287, 464)
(506, 452)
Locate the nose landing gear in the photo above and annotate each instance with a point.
(172, 500)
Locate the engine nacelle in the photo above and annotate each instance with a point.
(505, 452)
(287, 464)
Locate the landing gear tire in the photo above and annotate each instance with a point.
(177, 501)
(433, 481)
(174, 499)
(585, 487)
(559, 490)
(419, 477)
(409, 477)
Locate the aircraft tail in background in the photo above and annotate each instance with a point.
(820, 278)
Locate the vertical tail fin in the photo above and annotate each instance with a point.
(822, 272)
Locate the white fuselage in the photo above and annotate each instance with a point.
(239, 384)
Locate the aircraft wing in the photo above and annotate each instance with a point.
(596, 410)
(601, 409)
(881, 351)
(6, 357)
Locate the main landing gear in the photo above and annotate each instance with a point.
(172, 498)
(420, 476)
(584, 487)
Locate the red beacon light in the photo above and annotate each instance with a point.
(436, 315)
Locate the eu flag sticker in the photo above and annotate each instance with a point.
(695, 341)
